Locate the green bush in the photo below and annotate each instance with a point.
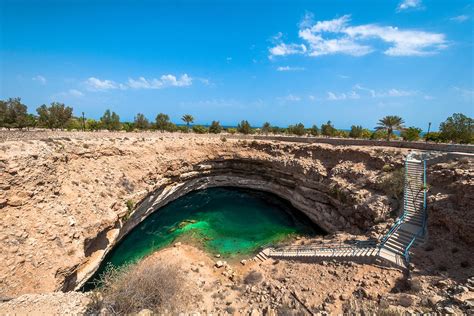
(433, 137)
(215, 127)
(199, 129)
(297, 129)
(314, 130)
(411, 133)
(328, 129)
(358, 131)
(392, 184)
(244, 127)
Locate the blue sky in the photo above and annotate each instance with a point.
(350, 62)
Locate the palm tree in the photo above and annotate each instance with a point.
(390, 123)
(187, 118)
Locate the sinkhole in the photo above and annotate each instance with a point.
(229, 221)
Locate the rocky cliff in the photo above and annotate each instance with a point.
(67, 200)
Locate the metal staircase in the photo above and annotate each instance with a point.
(407, 232)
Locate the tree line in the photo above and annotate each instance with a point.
(457, 128)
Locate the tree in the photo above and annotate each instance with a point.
(141, 122)
(314, 130)
(13, 113)
(389, 124)
(457, 128)
(433, 137)
(128, 126)
(3, 113)
(31, 121)
(57, 115)
(341, 133)
(297, 129)
(411, 133)
(356, 131)
(266, 128)
(162, 122)
(328, 129)
(244, 127)
(110, 121)
(215, 127)
(380, 134)
(74, 124)
(188, 119)
(92, 125)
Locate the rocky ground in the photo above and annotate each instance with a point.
(64, 200)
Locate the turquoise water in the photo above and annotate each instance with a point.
(230, 221)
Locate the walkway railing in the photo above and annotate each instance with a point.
(411, 190)
(421, 232)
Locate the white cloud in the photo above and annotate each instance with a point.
(97, 84)
(283, 49)
(291, 98)
(40, 79)
(429, 97)
(388, 93)
(288, 68)
(460, 18)
(164, 81)
(75, 93)
(312, 97)
(400, 93)
(331, 96)
(67, 94)
(409, 4)
(336, 36)
(404, 42)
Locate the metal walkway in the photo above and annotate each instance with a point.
(407, 232)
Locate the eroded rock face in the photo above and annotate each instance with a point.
(64, 200)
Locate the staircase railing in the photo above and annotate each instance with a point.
(401, 218)
(422, 230)
(329, 247)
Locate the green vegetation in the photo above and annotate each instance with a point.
(314, 130)
(199, 129)
(215, 127)
(328, 129)
(358, 131)
(188, 119)
(266, 128)
(457, 128)
(141, 122)
(13, 114)
(244, 127)
(411, 133)
(297, 129)
(55, 116)
(392, 183)
(110, 121)
(389, 124)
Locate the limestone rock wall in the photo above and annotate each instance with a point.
(64, 201)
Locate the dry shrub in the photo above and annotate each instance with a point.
(133, 288)
(253, 278)
(392, 184)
